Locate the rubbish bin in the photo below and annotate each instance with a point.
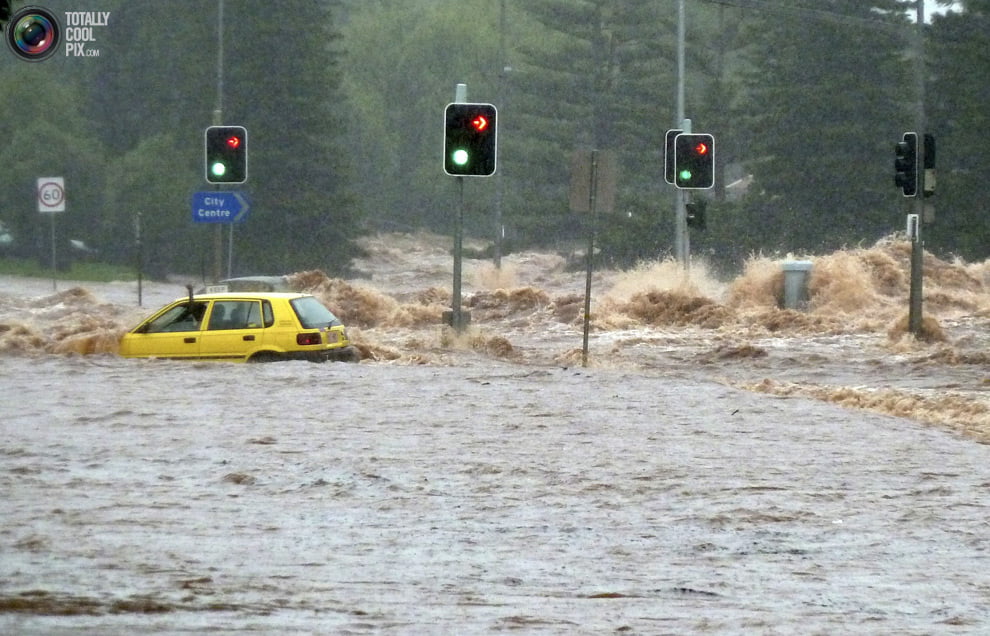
(796, 275)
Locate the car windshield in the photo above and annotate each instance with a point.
(312, 314)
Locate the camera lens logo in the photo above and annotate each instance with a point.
(33, 33)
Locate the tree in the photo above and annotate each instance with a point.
(959, 53)
(278, 80)
(45, 135)
(600, 77)
(825, 97)
(169, 240)
(403, 62)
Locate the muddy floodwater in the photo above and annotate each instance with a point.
(721, 466)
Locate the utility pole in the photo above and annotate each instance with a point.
(218, 121)
(457, 318)
(681, 239)
(500, 180)
(915, 301)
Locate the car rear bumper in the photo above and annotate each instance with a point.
(349, 353)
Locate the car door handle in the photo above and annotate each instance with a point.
(249, 338)
(189, 340)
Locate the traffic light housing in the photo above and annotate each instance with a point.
(906, 164)
(694, 161)
(696, 214)
(668, 154)
(928, 163)
(226, 154)
(470, 140)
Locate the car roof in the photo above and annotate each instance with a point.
(254, 284)
(244, 296)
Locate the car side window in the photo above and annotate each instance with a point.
(269, 315)
(235, 314)
(252, 315)
(184, 317)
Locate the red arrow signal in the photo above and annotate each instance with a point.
(480, 123)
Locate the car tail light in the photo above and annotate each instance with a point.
(309, 338)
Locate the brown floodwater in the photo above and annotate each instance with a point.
(721, 465)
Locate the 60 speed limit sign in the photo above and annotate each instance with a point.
(51, 194)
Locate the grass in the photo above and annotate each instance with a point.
(87, 271)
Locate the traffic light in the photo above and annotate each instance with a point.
(694, 161)
(668, 154)
(696, 214)
(226, 154)
(470, 140)
(928, 163)
(906, 164)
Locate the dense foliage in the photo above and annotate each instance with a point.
(126, 130)
(343, 100)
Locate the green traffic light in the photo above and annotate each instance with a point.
(218, 169)
(685, 175)
(460, 157)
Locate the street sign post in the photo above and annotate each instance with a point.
(219, 207)
(50, 193)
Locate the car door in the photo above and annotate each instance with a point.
(233, 330)
(173, 333)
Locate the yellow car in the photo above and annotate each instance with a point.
(241, 327)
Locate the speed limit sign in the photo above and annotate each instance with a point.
(51, 194)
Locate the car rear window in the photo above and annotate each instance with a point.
(312, 314)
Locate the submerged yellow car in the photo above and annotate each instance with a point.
(242, 327)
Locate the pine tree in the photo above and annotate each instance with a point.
(826, 92)
(600, 80)
(279, 78)
(959, 65)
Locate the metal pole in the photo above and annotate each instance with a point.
(499, 181)
(219, 57)
(140, 257)
(682, 250)
(54, 259)
(592, 209)
(218, 121)
(915, 301)
(456, 316)
(455, 302)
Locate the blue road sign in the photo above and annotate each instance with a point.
(219, 207)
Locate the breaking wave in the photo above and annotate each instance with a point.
(530, 310)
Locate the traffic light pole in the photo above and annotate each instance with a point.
(217, 121)
(682, 246)
(499, 181)
(457, 318)
(915, 301)
(218, 230)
